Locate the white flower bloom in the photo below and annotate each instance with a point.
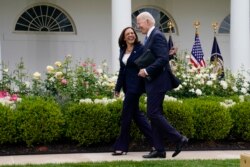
(69, 56)
(235, 89)
(6, 70)
(99, 70)
(188, 56)
(27, 84)
(191, 90)
(105, 64)
(169, 98)
(243, 90)
(87, 100)
(50, 69)
(224, 84)
(52, 79)
(227, 103)
(36, 75)
(198, 92)
(245, 85)
(242, 99)
(209, 83)
(213, 76)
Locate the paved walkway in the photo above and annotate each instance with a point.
(97, 157)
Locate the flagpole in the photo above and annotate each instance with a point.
(196, 25)
(170, 26)
(215, 27)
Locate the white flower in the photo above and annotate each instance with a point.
(224, 84)
(69, 56)
(241, 97)
(105, 64)
(99, 70)
(27, 84)
(198, 92)
(245, 85)
(227, 103)
(188, 56)
(209, 83)
(36, 76)
(191, 90)
(243, 90)
(235, 89)
(87, 100)
(6, 70)
(50, 69)
(169, 98)
(213, 76)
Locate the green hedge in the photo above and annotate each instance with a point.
(36, 120)
(241, 117)
(39, 120)
(180, 115)
(8, 127)
(212, 121)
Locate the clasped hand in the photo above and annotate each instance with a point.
(142, 73)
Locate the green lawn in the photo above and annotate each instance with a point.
(153, 163)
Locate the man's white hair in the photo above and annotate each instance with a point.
(147, 16)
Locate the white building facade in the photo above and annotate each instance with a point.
(97, 25)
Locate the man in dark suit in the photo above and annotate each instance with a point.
(157, 83)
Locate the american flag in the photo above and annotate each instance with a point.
(197, 53)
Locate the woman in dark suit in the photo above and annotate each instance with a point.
(133, 87)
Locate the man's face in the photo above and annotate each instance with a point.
(143, 25)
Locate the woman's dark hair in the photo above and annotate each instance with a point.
(122, 43)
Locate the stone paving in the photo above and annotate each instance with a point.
(98, 157)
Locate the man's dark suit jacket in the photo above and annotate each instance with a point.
(159, 71)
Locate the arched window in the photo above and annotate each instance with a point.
(161, 19)
(225, 26)
(44, 18)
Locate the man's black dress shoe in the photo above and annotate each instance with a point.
(155, 154)
(179, 145)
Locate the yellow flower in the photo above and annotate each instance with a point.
(58, 64)
(58, 75)
(36, 75)
(50, 69)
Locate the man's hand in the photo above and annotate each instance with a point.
(142, 73)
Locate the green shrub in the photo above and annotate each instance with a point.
(115, 110)
(88, 123)
(180, 116)
(212, 121)
(241, 117)
(39, 121)
(7, 125)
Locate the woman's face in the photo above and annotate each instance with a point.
(129, 36)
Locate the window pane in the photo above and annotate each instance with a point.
(44, 18)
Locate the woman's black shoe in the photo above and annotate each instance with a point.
(115, 153)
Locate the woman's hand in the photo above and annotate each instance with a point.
(117, 94)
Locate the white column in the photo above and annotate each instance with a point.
(239, 36)
(121, 18)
